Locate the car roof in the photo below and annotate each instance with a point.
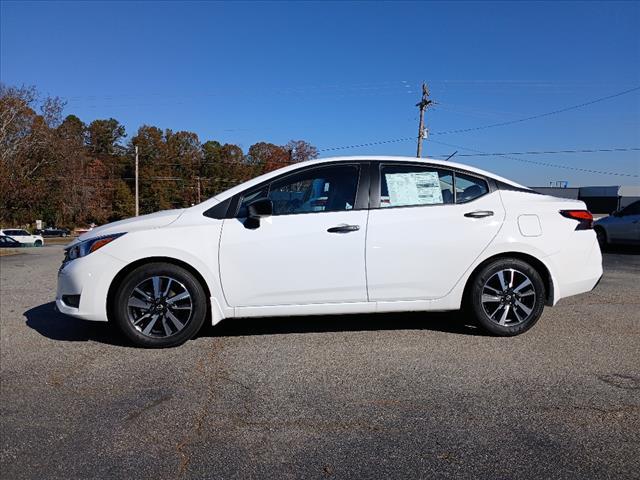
(350, 159)
(429, 161)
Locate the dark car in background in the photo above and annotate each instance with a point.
(54, 232)
(8, 242)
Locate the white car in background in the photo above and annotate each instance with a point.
(393, 234)
(23, 236)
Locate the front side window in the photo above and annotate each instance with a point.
(413, 185)
(250, 197)
(325, 189)
(469, 188)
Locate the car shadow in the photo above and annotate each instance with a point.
(50, 323)
(621, 249)
(448, 322)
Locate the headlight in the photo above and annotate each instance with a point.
(88, 246)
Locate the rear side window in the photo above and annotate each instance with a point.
(631, 209)
(469, 188)
(414, 185)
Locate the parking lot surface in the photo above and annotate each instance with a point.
(365, 396)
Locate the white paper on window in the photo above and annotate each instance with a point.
(416, 188)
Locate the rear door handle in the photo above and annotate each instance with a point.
(479, 214)
(344, 229)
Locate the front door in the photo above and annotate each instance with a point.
(428, 229)
(310, 251)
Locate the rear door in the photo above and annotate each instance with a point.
(426, 227)
(310, 251)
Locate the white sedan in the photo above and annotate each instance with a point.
(393, 234)
(24, 237)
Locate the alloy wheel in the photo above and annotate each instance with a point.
(159, 307)
(508, 297)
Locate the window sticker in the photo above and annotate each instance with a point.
(415, 188)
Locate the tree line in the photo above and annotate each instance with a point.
(67, 173)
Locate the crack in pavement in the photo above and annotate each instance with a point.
(213, 362)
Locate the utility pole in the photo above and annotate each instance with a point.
(137, 204)
(198, 179)
(422, 105)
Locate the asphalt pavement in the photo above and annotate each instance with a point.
(361, 396)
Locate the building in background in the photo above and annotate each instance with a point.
(599, 199)
(562, 192)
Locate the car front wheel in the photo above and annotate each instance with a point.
(160, 305)
(507, 297)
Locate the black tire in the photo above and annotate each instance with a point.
(523, 304)
(164, 332)
(38, 243)
(601, 235)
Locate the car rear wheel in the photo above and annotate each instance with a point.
(601, 235)
(160, 305)
(507, 297)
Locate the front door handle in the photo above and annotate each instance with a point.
(344, 229)
(479, 214)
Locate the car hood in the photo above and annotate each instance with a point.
(144, 222)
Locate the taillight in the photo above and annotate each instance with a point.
(584, 218)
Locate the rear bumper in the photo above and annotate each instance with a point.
(577, 268)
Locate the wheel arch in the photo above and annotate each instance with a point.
(538, 265)
(115, 283)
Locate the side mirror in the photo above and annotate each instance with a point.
(262, 207)
(617, 213)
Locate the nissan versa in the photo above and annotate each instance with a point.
(337, 236)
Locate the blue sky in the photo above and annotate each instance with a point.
(338, 74)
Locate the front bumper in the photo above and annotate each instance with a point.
(89, 277)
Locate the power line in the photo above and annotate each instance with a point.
(483, 127)
(334, 89)
(195, 164)
(541, 115)
(544, 164)
(381, 142)
(543, 152)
